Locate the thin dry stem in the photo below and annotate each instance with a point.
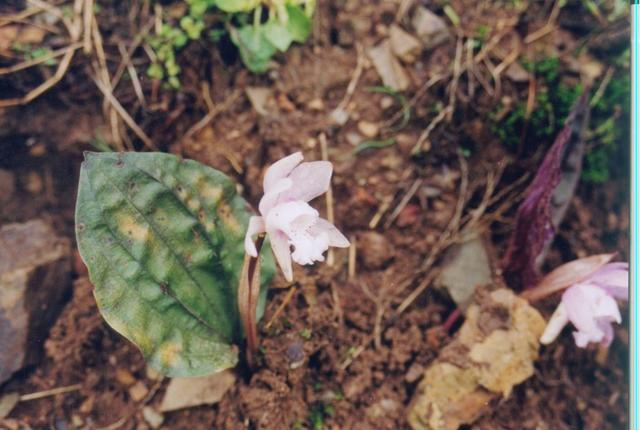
(287, 299)
(355, 77)
(51, 392)
(403, 202)
(353, 249)
(125, 116)
(384, 206)
(135, 81)
(211, 115)
(36, 61)
(329, 194)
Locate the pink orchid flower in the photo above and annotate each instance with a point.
(287, 217)
(591, 307)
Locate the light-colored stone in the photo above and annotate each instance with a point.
(316, 105)
(260, 97)
(405, 46)
(388, 67)
(35, 275)
(516, 73)
(188, 392)
(466, 266)
(153, 418)
(7, 403)
(138, 391)
(368, 129)
(429, 27)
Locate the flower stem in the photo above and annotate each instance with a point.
(248, 292)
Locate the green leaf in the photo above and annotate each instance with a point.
(155, 71)
(299, 24)
(255, 49)
(237, 5)
(373, 144)
(278, 35)
(163, 240)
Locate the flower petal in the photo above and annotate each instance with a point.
(555, 325)
(607, 328)
(336, 238)
(280, 169)
(269, 200)
(581, 301)
(308, 247)
(309, 181)
(283, 215)
(282, 252)
(614, 279)
(256, 225)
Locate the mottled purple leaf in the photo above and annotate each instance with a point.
(547, 198)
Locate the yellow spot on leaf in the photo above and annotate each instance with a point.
(132, 228)
(169, 353)
(141, 339)
(224, 212)
(211, 193)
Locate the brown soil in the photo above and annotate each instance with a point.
(330, 314)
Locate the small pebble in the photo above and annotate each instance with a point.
(77, 421)
(353, 138)
(414, 373)
(339, 116)
(155, 419)
(386, 102)
(34, 183)
(138, 391)
(38, 150)
(316, 105)
(368, 129)
(125, 377)
(374, 250)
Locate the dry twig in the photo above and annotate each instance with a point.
(287, 299)
(125, 116)
(355, 77)
(329, 195)
(51, 392)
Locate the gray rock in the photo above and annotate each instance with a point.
(374, 250)
(404, 45)
(35, 275)
(429, 27)
(466, 267)
(388, 67)
(517, 73)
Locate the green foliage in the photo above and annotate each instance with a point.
(318, 413)
(257, 40)
(162, 238)
(609, 132)
(33, 53)
(553, 103)
(373, 144)
(306, 333)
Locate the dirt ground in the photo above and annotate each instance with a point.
(345, 380)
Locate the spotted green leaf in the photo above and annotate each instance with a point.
(162, 238)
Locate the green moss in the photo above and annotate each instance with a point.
(552, 105)
(607, 140)
(318, 413)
